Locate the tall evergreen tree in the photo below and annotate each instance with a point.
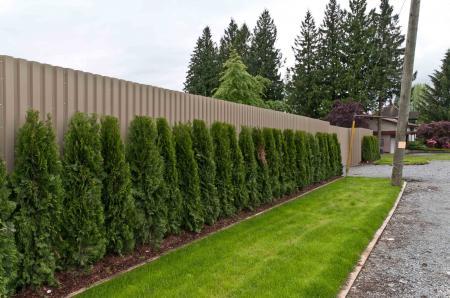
(204, 67)
(435, 102)
(263, 178)
(83, 227)
(192, 214)
(305, 93)
(301, 158)
(203, 151)
(248, 153)
(234, 38)
(273, 161)
(37, 191)
(147, 177)
(331, 42)
(290, 160)
(166, 145)
(117, 199)
(280, 145)
(264, 58)
(8, 251)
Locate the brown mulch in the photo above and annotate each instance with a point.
(110, 265)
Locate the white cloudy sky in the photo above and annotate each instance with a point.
(151, 41)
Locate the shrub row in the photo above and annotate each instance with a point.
(370, 149)
(105, 196)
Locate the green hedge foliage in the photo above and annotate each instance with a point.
(192, 211)
(37, 191)
(148, 185)
(370, 149)
(107, 196)
(117, 199)
(204, 156)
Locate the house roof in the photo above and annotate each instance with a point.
(392, 111)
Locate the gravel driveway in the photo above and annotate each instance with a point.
(412, 257)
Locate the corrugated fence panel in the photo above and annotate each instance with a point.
(61, 92)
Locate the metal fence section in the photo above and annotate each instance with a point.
(61, 92)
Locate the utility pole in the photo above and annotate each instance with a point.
(405, 93)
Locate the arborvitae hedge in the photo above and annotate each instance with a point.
(302, 162)
(174, 202)
(263, 178)
(248, 153)
(8, 252)
(324, 155)
(224, 168)
(273, 161)
(281, 146)
(192, 214)
(203, 150)
(338, 155)
(315, 160)
(290, 160)
(370, 149)
(37, 191)
(117, 199)
(148, 186)
(240, 192)
(83, 227)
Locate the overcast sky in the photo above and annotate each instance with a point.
(151, 41)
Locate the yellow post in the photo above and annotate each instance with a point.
(350, 147)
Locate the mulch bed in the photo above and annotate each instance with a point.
(74, 280)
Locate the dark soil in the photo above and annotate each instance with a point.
(74, 280)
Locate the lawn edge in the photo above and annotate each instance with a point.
(366, 253)
(102, 281)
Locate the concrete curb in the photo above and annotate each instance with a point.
(73, 294)
(365, 255)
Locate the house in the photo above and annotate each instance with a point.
(389, 128)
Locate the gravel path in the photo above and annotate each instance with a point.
(412, 257)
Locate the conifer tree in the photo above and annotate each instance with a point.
(83, 227)
(147, 178)
(273, 161)
(248, 153)
(234, 38)
(281, 146)
(203, 151)
(264, 58)
(166, 146)
(315, 160)
(8, 252)
(240, 192)
(290, 160)
(331, 43)
(37, 192)
(192, 214)
(224, 168)
(262, 178)
(204, 68)
(301, 158)
(338, 155)
(304, 89)
(117, 199)
(435, 103)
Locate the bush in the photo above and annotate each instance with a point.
(338, 158)
(290, 161)
(326, 169)
(240, 192)
(273, 161)
(302, 178)
(83, 210)
(248, 153)
(370, 149)
(416, 145)
(262, 178)
(437, 134)
(203, 151)
(315, 159)
(8, 252)
(148, 186)
(37, 191)
(224, 168)
(280, 146)
(192, 212)
(174, 201)
(117, 199)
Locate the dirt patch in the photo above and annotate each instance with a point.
(73, 280)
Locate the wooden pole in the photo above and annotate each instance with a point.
(405, 93)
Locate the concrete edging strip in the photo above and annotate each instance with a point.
(365, 255)
(198, 239)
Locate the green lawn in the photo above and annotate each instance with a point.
(305, 248)
(413, 159)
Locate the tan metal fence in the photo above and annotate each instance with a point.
(63, 91)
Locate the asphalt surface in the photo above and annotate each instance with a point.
(412, 257)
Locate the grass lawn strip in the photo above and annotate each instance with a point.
(303, 248)
(413, 159)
